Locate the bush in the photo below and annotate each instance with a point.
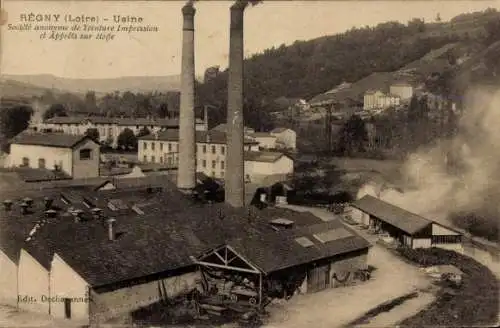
(477, 225)
(476, 302)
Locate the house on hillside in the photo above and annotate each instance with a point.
(376, 99)
(76, 155)
(402, 90)
(285, 138)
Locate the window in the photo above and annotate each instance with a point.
(222, 165)
(161, 159)
(41, 163)
(145, 145)
(153, 146)
(204, 149)
(110, 132)
(222, 174)
(85, 154)
(153, 159)
(176, 148)
(223, 150)
(213, 149)
(26, 161)
(213, 173)
(169, 147)
(145, 159)
(204, 163)
(213, 164)
(161, 146)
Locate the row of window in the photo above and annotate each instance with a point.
(41, 163)
(201, 148)
(85, 154)
(176, 161)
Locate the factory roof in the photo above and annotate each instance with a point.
(154, 236)
(406, 221)
(209, 137)
(60, 140)
(28, 174)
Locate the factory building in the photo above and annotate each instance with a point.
(75, 155)
(96, 255)
(109, 128)
(406, 228)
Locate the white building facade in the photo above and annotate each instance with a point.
(402, 90)
(375, 100)
(163, 148)
(110, 128)
(77, 156)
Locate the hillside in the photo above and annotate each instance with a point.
(14, 89)
(370, 57)
(122, 84)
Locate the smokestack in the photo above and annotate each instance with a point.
(186, 178)
(111, 230)
(235, 184)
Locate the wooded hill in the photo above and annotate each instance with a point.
(309, 68)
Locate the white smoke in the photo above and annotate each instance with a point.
(475, 187)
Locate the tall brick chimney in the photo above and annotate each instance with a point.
(234, 176)
(186, 178)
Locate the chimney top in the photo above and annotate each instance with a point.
(188, 9)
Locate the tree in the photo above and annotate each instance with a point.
(14, 120)
(143, 132)
(90, 102)
(93, 133)
(55, 110)
(353, 135)
(127, 139)
(162, 111)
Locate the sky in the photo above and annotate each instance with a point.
(268, 24)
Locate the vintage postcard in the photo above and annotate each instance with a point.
(249, 163)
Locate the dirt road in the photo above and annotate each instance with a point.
(337, 307)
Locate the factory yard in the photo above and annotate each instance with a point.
(392, 278)
(10, 317)
(338, 307)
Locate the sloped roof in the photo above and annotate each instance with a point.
(210, 137)
(60, 140)
(274, 251)
(393, 215)
(161, 238)
(263, 156)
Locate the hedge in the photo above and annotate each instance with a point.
(475, 303)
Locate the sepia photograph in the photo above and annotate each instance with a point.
(249, 163)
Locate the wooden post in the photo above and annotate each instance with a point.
(260, 291)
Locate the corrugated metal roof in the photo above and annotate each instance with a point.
(391, 214)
